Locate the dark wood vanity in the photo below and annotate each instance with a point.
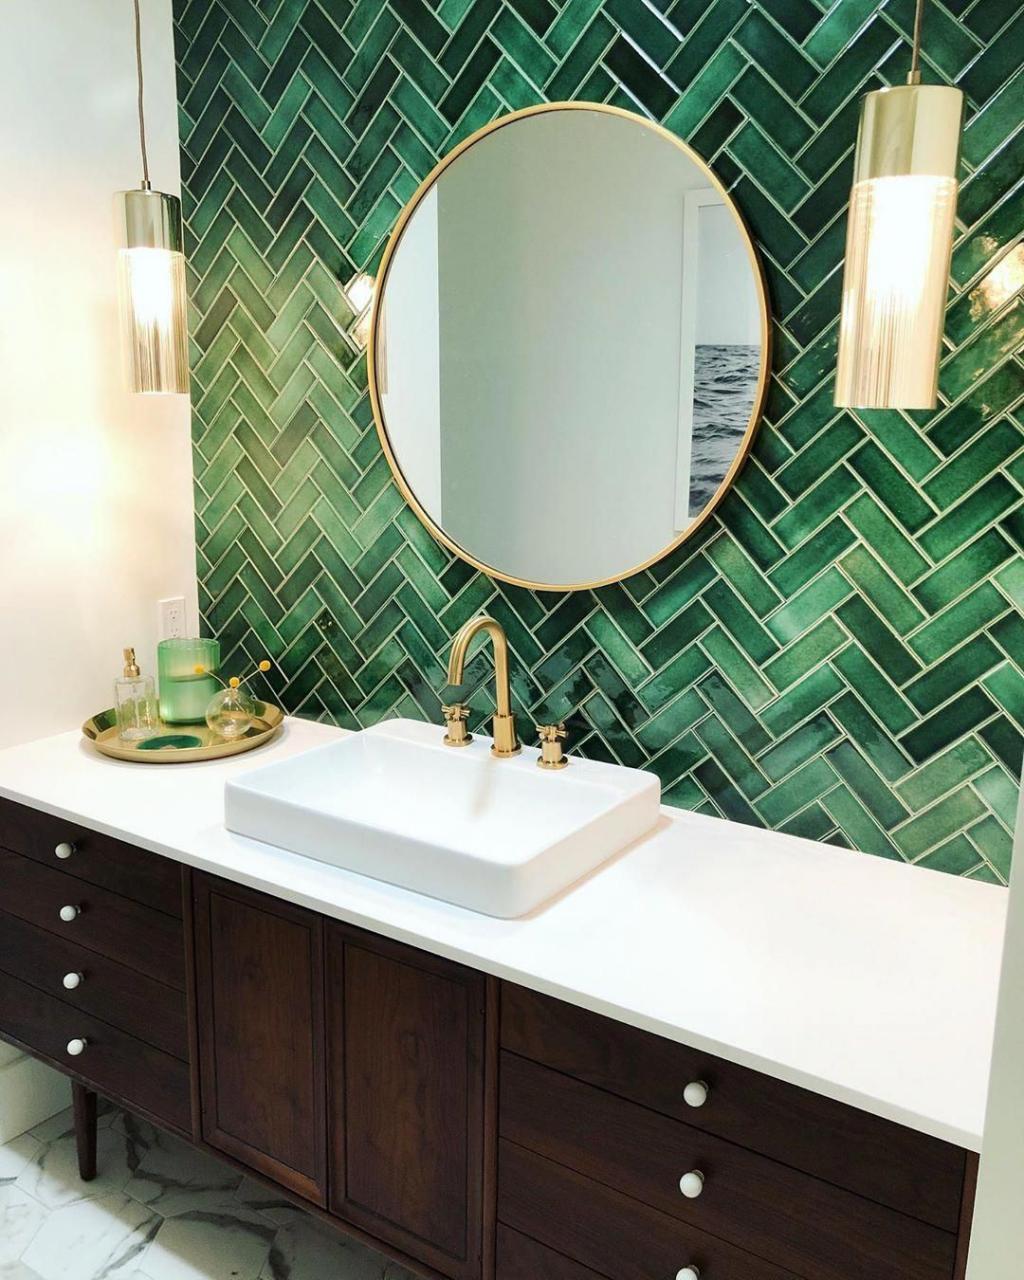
(466, 1127)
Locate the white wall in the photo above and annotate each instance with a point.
(95, 484)
(997, 1241)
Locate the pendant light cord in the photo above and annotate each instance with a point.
(914, 76)
(142, 110)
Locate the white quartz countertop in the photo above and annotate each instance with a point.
(868, 981)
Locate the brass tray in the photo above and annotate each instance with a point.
(101, 730)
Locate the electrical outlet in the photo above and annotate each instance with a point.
(171, 618)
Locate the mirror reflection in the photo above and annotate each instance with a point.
(569, 347)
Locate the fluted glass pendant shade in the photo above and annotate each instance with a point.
(151, 284)
(898, 246)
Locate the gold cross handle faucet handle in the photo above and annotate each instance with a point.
(551, 738)
(455, 718)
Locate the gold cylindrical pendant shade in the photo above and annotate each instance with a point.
(898, 246)
(151, 283)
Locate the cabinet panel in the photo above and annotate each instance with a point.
(407, 1047)
(259, 986)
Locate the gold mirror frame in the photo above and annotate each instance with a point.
(375, 317)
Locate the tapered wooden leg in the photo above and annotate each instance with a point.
(84, 1102)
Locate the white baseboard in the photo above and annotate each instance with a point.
(29, 1094)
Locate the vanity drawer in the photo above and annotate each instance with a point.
(134, 935)
(819, 1231)
(520, 1258)
(609, 1234)
(898, 1167)
(106, 989)
(113, 1063)
(133, 873)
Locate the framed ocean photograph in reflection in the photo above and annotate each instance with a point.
(568, 346)
(720, 355)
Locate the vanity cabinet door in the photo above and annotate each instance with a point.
(406, 1036)
(259, 988)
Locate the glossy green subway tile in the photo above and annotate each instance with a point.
(810, 604)
(733, 712)
(884, 592)
(737, 668)
(995, 842)
(951, 814)
(856, 826)
(962, 571)
(944, 727)
(977, 511)
(784, 800)
(803, 744)
(1000, 792)
(894, 490)
(957, 857)
(875, 688)
(957, 623)
(1006, 685)
(952, 673)
(815, 554)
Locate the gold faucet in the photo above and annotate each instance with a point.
(505, 741)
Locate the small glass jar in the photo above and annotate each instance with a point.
(186, 682)
(230, 713)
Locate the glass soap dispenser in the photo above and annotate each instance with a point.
(135, 697)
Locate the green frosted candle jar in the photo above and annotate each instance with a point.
(184, 691)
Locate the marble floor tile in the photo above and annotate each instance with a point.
(17, 1271)
(173, 1178)
(158, 1210)
(17, 1155)
(305, 1250)
(96, 1239)
(262, 1200)
(52, 1177)
(63, 1122)
(21, 1217)
(207, 1246)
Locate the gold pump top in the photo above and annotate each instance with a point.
(131, 667)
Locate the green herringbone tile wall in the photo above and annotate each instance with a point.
(841, 654)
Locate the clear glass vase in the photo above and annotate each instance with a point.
(230, 713)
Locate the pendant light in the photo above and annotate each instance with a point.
(898, 244)
(151, 276)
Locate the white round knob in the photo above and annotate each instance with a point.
(688, 1273)
(68, 913)
(692, 1184)
(75, 1047)
(696, 1093)
(64, 850)
(72, 980)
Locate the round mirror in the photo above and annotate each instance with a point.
(569, 346)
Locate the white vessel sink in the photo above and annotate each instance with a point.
(392, 802)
